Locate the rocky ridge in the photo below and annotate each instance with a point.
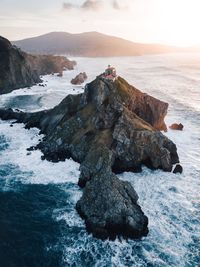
(112, 127)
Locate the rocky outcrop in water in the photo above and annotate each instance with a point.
(19, 69)
(79, 79)
(176, 126)
(112, 127)
(178, 169)
(60, 74)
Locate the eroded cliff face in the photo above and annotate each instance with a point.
(15, 71)
(112, 127)
(18, 69)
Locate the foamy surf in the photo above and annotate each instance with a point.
(19, 139)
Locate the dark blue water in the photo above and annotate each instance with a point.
(28, 233)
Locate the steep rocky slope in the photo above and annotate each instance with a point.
(112, 127)
(18, 69)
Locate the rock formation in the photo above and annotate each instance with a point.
(18, 69)
(79, 79)
(60, 74)
(112, 127)
(176, 126)
(178, 169)
(109, 205)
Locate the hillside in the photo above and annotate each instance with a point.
(91, 44)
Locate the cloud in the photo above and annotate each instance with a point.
(115, 5)
(87, 5)
(68, 6)
(92, 5)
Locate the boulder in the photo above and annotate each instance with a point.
(60, 74)
(110, 128)
(79, 79)
(176, 126)
(178, 169)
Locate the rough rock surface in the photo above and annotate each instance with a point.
(176, 126)
(18, 69)
(109, 205)
(79, 79)
(112, 127)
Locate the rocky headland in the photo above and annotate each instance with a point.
(110, 128)
(19, 69)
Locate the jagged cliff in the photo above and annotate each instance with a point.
(112, 127)
(19, 69)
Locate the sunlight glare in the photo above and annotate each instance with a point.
(179, 22)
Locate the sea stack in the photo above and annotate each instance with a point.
(79, 79)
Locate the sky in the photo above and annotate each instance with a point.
(171, 22)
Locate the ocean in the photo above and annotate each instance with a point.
(39, 225)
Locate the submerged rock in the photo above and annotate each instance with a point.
(176, 126)
(112, 127)
(19, 69)
(79, 79)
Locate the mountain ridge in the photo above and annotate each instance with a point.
(91, 44)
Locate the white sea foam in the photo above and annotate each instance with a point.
(45, 172)
(55, 89)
